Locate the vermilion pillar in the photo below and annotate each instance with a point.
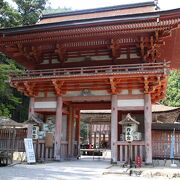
(78, 132)
(70, 132)
(114, 119)
(31, 112)
(31, 107)
(73, 131)
(147, 126)
(58, 130)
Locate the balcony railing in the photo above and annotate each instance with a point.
(154, 68)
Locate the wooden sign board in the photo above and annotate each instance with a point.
(29, 150)
(129, 134)
(49, 140)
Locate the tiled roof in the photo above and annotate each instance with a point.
(4, 121)
(155, 108)
(162, 108)
(88, 22)
(99, 12)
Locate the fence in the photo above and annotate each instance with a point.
(161, 144)
(12, 139)
(125, 150)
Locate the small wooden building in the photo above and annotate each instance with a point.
(165, 114)
(166, 120)
(12, 136)
(106, 58)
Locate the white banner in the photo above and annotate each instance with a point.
(29, 150)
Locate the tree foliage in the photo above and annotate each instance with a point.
(83, 131)
(9, 17)
(27, 12)
(50, 10)
(30, 10)
(173, 90)
(8, 101)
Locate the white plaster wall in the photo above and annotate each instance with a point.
(130, 102)
(100, 58)
(40, 94)
(136, 91)
(79, 59)
(51, 94)
(123, 92)
(54, 61)
(45, 104)
(133, 55)
(45, 61)
(123, 56)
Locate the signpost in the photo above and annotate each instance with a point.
(129, 139)
(29, 150)
(172, 149)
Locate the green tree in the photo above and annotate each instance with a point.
(50, 10)
(8, 101)
(83, 131)
(9, 17)
(30, 10)
(27, 12)
(173, 90)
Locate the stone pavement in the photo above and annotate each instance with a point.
(83, 169)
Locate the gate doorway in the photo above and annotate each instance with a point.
(96, 134)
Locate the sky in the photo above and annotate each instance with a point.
(87, 4)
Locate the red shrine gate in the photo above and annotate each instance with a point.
(109, 58)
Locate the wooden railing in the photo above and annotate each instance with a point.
(11, 140)
(137, 149)
(158, 68)
(44, 153)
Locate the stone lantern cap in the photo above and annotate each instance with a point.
(128, 120)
